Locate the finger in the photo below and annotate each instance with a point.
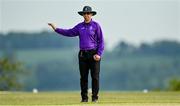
(49, 23)
(95, 58)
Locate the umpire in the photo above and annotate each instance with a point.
(91, 45)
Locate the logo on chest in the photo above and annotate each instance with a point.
(90, 28)
(87, 30)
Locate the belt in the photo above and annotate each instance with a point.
(88, 50)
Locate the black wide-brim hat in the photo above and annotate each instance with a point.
(87, 9)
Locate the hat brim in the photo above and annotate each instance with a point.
(82, 12)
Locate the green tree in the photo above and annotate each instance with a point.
(9, 74)
(174, 84)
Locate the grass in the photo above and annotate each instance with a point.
(106, 99)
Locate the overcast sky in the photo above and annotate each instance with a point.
(134, 21)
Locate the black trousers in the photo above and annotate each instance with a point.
(86, 63)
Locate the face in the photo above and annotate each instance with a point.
(87, 16)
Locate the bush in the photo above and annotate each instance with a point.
(174, 84)
(9, 73)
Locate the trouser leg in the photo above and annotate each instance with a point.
(84, 71)
(95, 70)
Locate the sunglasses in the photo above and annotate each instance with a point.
(86, 13)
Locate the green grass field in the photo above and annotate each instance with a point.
(106, 99)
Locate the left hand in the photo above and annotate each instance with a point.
(96, 57)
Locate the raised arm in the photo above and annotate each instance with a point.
(66, 32)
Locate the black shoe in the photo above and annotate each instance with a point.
(84, 100)
(94, 99)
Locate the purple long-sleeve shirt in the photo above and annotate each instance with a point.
(90, 35)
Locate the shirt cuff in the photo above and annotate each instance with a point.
(99, 53)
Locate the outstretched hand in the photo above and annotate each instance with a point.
(52, 26)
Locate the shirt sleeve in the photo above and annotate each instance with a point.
(100, 40)
(68, 32)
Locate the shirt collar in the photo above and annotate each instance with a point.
(88, 23)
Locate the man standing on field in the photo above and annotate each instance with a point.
(91, 48)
